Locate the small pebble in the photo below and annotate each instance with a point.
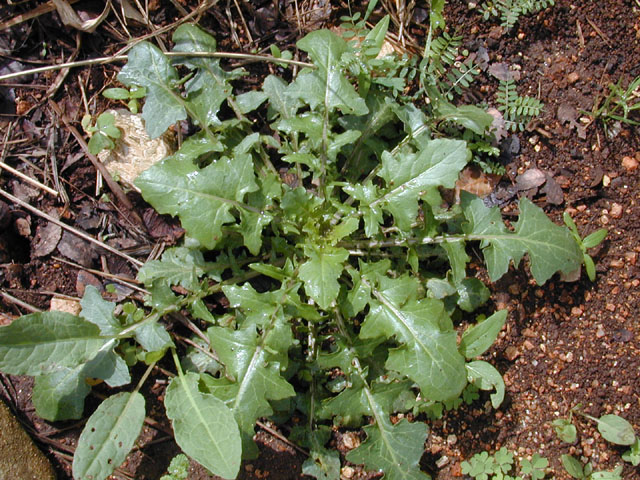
(528, 345)
(347, 472)
(616, 210)
(511, 353)
(350, 440)
(631, 257)
(452, 439)
(572, 78)
(23, 226)
(630, 164)
(442, 461)
(576, 311)
(611, 307)
(617, 263)
(606, 180)
(600, 332)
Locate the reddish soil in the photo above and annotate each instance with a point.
(564, 343)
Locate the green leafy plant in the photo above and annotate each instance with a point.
(517, 110)
(327, 235)
(178, 468)
(565, 429)
(633, 454)
(499, 466)
(131, 95)
(620, 105)
(585, 472)
(618, 431)
(510, 11)
(103, 133)
(590, 241)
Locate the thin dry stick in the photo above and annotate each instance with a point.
(600, 32)
(17, 173)
(116, 278)
(580, 35)
(122, 58)
(278, 435)
(27, 179)
(244, 22)
(69, 228)
(19, 302)
(36, 12)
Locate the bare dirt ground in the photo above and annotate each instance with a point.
(564, 344)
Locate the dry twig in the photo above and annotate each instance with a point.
(69, 228)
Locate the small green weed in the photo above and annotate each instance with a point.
(585, 472)
(130, 95)
(517, 110)
(178, 468)
(622, 104)
(590, 241)
(613, 428)
(510, 11)
(499, 466)
(565, 429)
(618, 431)
(103, 133)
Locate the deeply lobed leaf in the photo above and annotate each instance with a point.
(551, 248)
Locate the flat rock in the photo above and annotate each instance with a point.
(19, 457)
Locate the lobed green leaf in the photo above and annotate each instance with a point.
(551, 248)
(202, 198)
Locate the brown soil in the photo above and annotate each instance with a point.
(564, 343)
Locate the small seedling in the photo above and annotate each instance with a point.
(633, 454)
(510, 11)
(536, 468)
(620, 105)
(516, 110)
(613, 428)
(592, 240)
(498, 466)
(103, 133)
(585, 472)
(178, 468)
(618, 431)
(565, 429)
(131, 95)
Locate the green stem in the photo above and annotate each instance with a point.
(144, 377)
(176, 360)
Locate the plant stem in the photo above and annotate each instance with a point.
(144, 377)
